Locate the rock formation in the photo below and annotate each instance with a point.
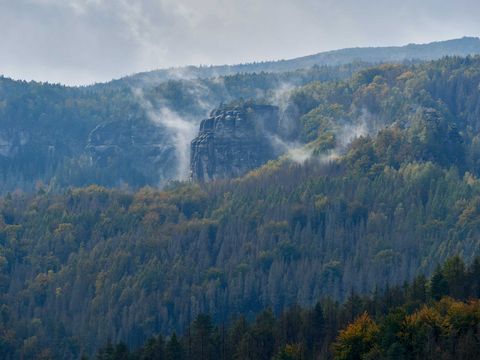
(134, 146)
(233, 141)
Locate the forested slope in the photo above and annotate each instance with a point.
(87, 265)
(138, 127)
(424, 52)
(425, 319)
(119, 136)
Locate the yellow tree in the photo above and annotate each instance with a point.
(357, 340)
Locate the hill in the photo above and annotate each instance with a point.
(388, 188)
(119, 137)
(374, 55)
(137, 131)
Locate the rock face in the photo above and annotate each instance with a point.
(233, 141)
(135, 147)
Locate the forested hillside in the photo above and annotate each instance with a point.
(127, 136)
(386, 188)
(135, 131)
(424, 52)
(427, 319)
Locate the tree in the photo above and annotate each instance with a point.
(455, 276)
(474, 278)
(173, 349)
(314, 329)
(263, 336)
(154, 349)
(438, 284)
(203, 338)
(357, 340)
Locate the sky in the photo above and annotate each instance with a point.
(79, 42)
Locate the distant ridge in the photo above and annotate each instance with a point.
(430, 51)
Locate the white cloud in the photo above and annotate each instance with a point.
(75, 41)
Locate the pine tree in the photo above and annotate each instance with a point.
(438, 285)
(174, 349)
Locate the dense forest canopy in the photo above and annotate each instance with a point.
(426, 319)
(388, 189)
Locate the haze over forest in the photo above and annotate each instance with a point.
(255, 180)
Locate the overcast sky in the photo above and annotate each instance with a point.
(86, 41)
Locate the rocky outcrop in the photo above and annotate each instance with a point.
(134, 147)
(233, 141)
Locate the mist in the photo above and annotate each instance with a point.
(79, 42)
(181, 131)
(345, 132)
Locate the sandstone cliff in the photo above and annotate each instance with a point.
(135, 147)
(233, 141)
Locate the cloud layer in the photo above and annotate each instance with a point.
(86, 41)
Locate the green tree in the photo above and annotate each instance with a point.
(174, 349)
(438, 284)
